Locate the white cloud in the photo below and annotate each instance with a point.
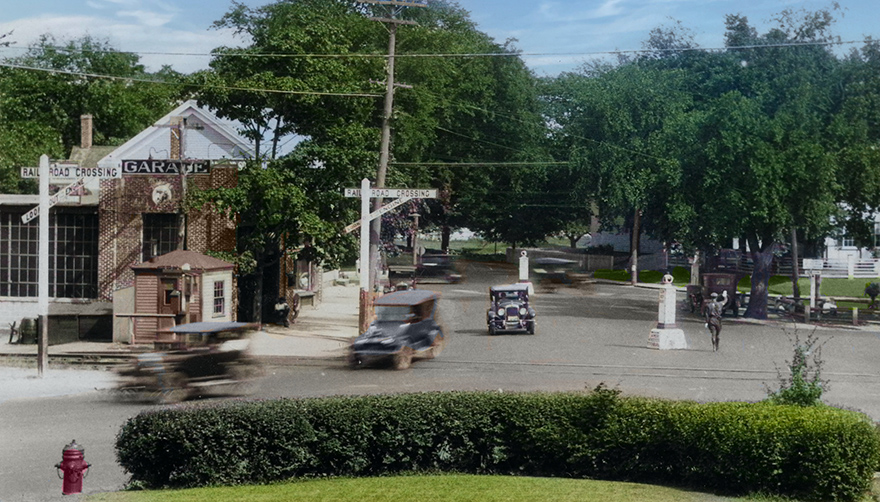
(147, 18)
(125, 36)
(557, 12)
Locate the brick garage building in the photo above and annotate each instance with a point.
(116, 223)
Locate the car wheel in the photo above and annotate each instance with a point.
(354, 361)
(403, 359)
(531, 328)
(491, 330)
(436, 347)
(174, 388)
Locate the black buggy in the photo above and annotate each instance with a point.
(404, 327)
(191, 360)
(510, 310)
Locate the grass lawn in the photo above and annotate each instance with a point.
(437, 488)
(779, 284)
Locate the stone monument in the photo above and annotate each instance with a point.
(667, 335)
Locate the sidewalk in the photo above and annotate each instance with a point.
(320, 332)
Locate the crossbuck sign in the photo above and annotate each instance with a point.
(365, 193)
(395, 193)
(63, 193)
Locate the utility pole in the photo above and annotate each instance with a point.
(395, 7)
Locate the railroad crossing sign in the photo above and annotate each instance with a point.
(74, 171)
(63, 193)
(393, 193)
(375, 214)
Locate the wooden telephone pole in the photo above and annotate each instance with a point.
(395, 8)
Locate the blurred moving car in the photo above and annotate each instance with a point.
(429, 267)
(437, 267)
(551, 272)
(509, 309)
(191, 360)
(405, 327)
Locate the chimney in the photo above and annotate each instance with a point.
(85, 122)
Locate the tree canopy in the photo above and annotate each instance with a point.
(44, 92)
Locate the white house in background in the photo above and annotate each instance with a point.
(844, 247)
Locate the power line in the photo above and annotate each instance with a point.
(452, 55)
(210, 86)
(490, 163)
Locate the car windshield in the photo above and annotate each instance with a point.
(399, 313)
(506, 296)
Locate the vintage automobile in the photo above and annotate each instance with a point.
(698, 295)
(510, 310)
(405, 327)
(437, 267)
(552, 272)
(430, 268)
(192, 360)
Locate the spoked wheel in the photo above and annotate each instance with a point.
(174, 388)
(437, 347)
(245, 376)
(403, 359)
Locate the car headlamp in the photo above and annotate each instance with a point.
(523, 311)
(500, 312)
(386, 341)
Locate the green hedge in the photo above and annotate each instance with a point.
(813, 453)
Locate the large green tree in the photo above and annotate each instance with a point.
(44, 92)
(329, 63)
(762, 125)
(616, 121)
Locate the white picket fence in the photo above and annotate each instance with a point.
(851, 268)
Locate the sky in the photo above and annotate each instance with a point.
(553, 35)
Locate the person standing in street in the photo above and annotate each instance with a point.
(712, 310)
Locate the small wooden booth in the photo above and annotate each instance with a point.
(178, 288)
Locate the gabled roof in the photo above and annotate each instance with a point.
(207, 137)
(89, 157)
(177, 259)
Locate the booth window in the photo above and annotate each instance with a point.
(219, 298)
(161, 234)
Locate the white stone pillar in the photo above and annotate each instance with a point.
(667, 335)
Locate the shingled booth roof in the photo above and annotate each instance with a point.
(177, 259)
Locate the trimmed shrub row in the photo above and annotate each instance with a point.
(813, 453)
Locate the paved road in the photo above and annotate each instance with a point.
(585, 336)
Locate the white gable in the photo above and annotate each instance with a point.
(205, 137)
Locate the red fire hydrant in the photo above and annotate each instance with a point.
(75, 468)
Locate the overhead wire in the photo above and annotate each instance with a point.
(382, 55)
(211, 86)
(464, 55)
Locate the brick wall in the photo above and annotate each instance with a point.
(122, 203)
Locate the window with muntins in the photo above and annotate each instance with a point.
(73, 255)
(219, 298)
(161, 234)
